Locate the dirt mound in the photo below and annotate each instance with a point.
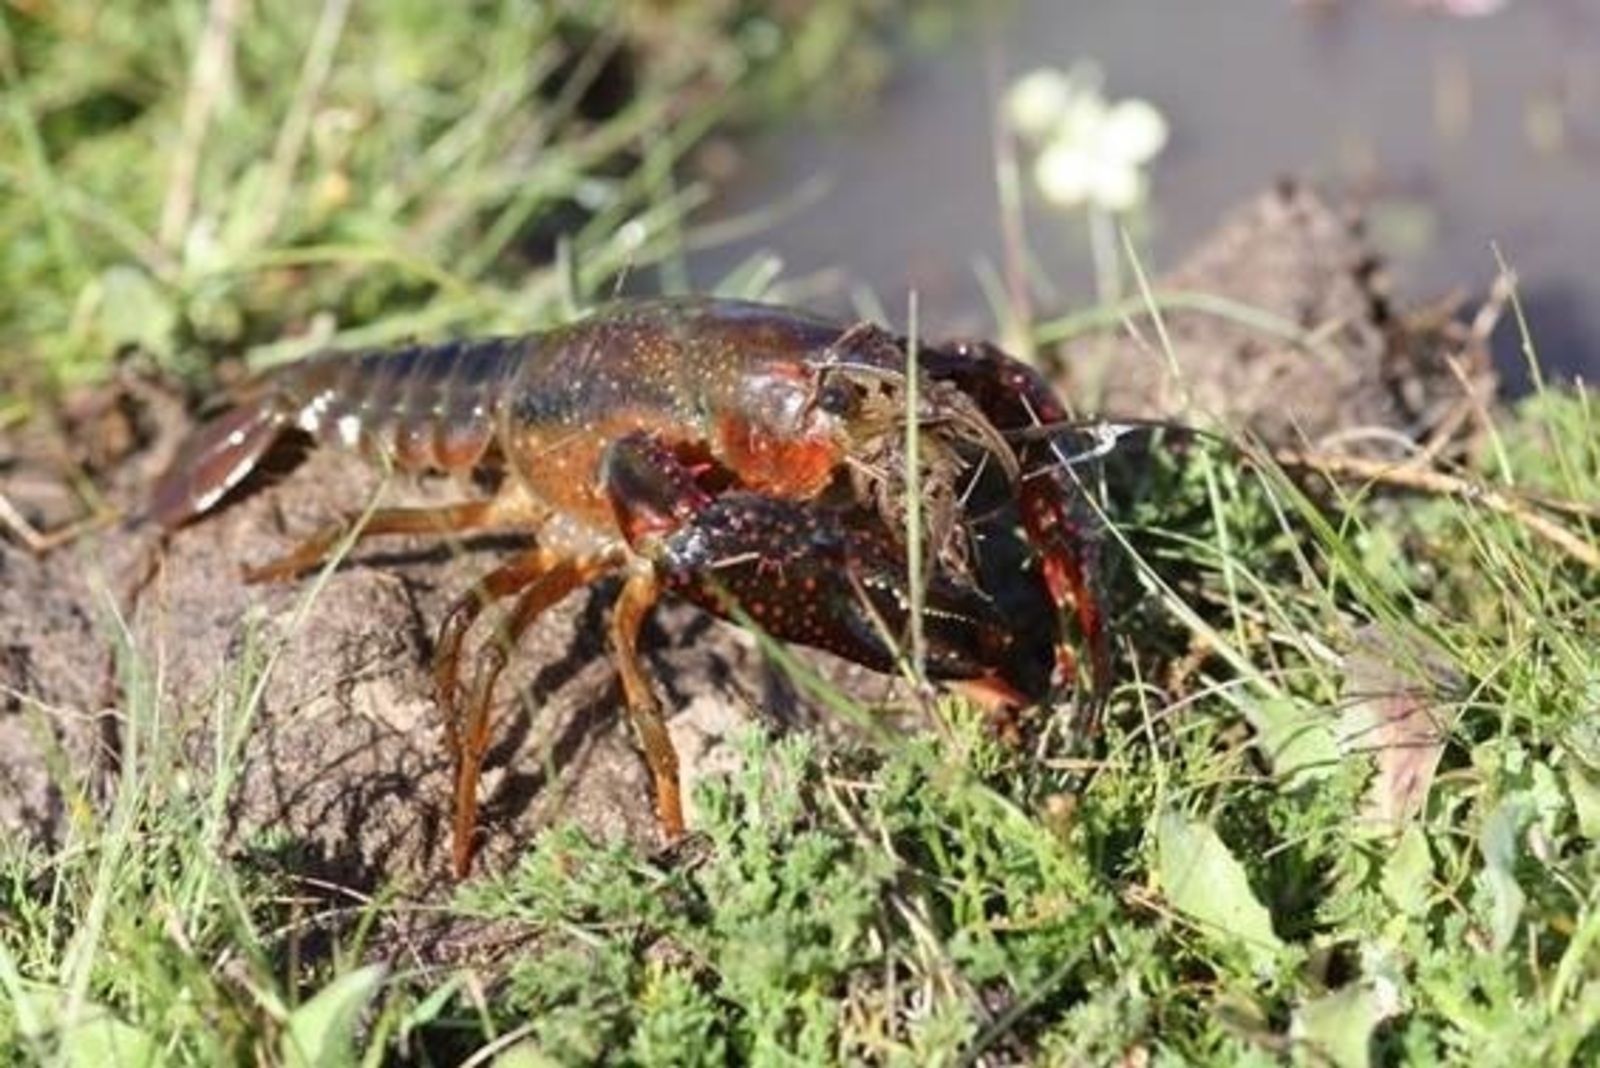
(342, 757)
(1294, 336)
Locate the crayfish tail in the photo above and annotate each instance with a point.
(215, 459)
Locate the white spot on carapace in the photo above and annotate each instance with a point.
(236, 438)
(310, 418)
(348, 429)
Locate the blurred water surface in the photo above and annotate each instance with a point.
(1453, 132)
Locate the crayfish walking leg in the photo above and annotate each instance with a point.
(639, 595)
(469, 516)
(539, 579)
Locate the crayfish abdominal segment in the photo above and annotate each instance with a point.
(746, 458)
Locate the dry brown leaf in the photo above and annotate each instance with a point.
(1397, 709)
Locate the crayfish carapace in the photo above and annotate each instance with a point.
(748, 458)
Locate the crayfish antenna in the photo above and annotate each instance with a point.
(215, 459)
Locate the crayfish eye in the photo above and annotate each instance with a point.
(837, 397)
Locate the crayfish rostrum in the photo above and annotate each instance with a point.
(748, 458)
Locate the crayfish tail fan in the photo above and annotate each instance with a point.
(215, 459)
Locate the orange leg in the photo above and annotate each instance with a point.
(544, 579)
(639, 595)
(502, 582)
(506, 511)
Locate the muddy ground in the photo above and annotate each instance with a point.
(345, 778)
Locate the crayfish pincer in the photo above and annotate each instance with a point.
(748, 458)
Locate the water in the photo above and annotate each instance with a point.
(1455, 132)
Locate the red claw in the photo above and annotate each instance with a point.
(1059, 522)
(1066, 562)
(824, 577)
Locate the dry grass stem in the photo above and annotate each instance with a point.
(1426, 480)
(213, 65)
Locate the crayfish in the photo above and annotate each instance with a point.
(750, 459)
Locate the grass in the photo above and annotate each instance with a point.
(216, 180)
(1199, 889)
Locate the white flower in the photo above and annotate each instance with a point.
(1091, 151)
(1064, 173)
(1135, 131)
(1082, 120)
(1037, 100)
(1119, 185)
(1070, 175)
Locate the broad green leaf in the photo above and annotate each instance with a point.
(321, 1031)
(1548, 799)
(1205, 882)
(102, 1039)
(1497, 841)
(1298, 740)
(1582, 741)
(525, 1055)
(1584, 786)
(1337, 1028)
(134, 310)
(92, 1038)
(1408, 872)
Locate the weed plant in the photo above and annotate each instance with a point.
(1246, 868)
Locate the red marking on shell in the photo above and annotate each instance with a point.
(1058, 579)
(991, 692)
(458, 446)
(797, 469)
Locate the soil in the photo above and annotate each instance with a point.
(344, 773)
(1360, 369)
